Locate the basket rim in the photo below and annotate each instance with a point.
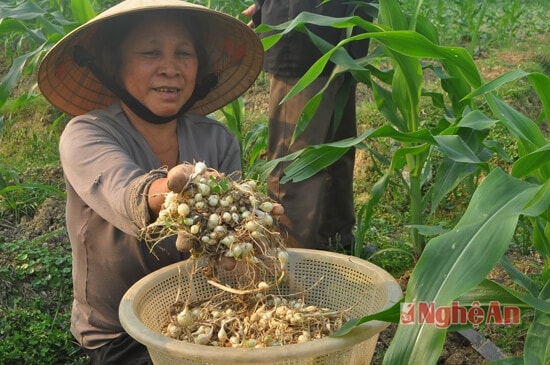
(155, 341)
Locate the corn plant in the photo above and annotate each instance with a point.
(398, 93)
(29, 30)
(18, 198)
(252, 142)
(453, 265)
(479, 25)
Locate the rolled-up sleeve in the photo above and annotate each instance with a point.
(103, 174)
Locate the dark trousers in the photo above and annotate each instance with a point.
(319, 212)
(123, 350)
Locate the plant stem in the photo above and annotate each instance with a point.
(476, 26)
(415, 195)
(412, 26)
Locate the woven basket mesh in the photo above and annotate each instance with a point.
(328, 280)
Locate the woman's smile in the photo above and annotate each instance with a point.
(160, 65)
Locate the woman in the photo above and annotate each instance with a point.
(140, 77)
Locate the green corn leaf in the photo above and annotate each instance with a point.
(525, 165)
(386, 106)
(489, 291)
(311, 74)
(429, 230)
(26, 10)
(299, 22)
(399, 157)
(408, 43)
(82, 10)
(425, 27)
(497, 148)
(338, 55)
(264, 169)
(456, 86)
(414, 45)
(456, 149)
(52, 29)
(541, 239)
(475, 119)
(311, 162)
(11, 78)
(307, 115)
(390, 14)
(438, 100)
(420, 136)
(255, 142)
(528, 135)
(386, 76)
(457, 261)
(10, 26)
(518, 277)
(389, 315)
(365, 214)
(269, 41)
(522, 128)
(233, 116)
(540, 202)
(315, 158)
(496, 83)
(537, 342)
(540, 82)
(450, 173)
(407, 88)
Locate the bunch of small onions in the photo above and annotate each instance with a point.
(263, 321)
(223, 220)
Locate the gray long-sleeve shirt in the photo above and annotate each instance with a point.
(108, 168)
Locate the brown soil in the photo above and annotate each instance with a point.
(456, 351)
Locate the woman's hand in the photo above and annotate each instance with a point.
(178, 176)
(278, 210)
(176, 180)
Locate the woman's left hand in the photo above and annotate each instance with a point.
(278, 210)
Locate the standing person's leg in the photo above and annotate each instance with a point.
(338, 218)
(302, 201)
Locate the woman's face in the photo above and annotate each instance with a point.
(159, 64)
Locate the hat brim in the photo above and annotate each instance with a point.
(233, 50)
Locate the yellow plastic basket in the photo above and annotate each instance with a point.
(328, 279)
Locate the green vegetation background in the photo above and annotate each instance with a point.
(35, 264)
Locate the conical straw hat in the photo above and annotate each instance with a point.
(233, 51)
